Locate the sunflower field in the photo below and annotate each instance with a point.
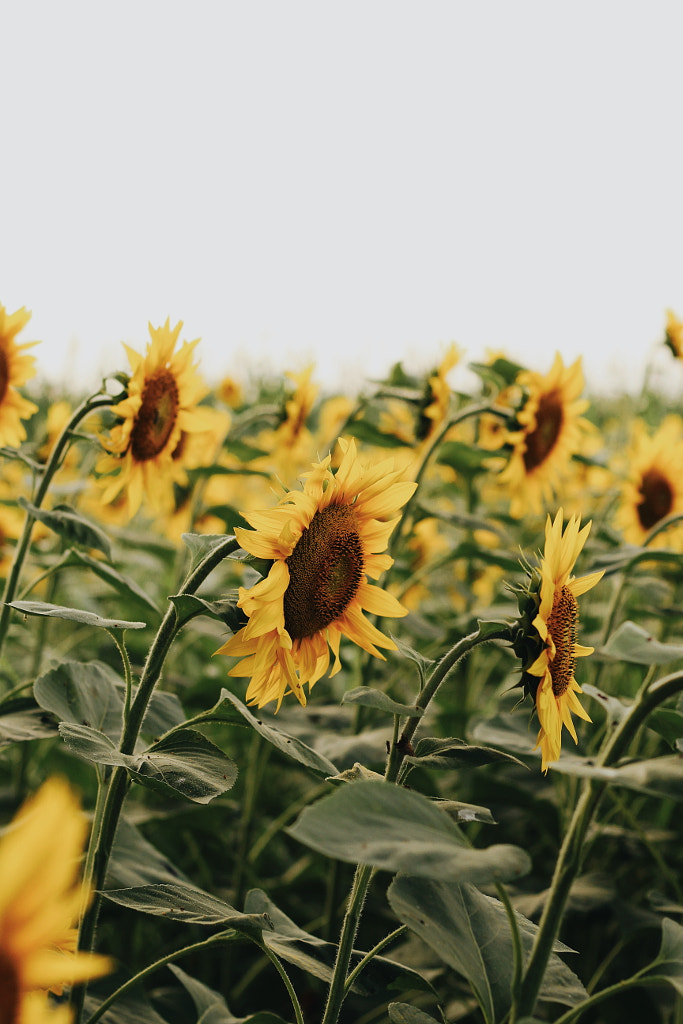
(326, 708)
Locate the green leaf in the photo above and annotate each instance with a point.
(72, 615)
(431, 752)
(184, 764)
(21, 720)
(614, 708)
(633, 643)
(211, 1006)
(85, 693)
(667, 722)
(231, 710)
(404, 1013)
(657, 776)
(134, 862)
(465, 459)
(92, 694)
(180, 902)
(129, 1009)
(357, 773)
(315, 956)
(243, 451)
(69, 525)
(669, 962)
(471, 933)
(125, 586)
(201, 545)
(188, 606)
(398, 830)
(369, 698)
(369, 434)
(460, 811)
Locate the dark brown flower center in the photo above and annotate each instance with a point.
(9, 991)
(542, 439)
(4, 374)
(657, 498)
(563, 628)
(325, 570)
(156, 417)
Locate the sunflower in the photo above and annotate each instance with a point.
(15, 369)
(323, 542)
(161, 406)
(546, 432)
(654, 485)
(438, 397)
(547, 643)
(674, 334)
(40, 899)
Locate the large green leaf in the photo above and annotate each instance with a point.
(657, 776)
(369, 698)
(21, 720)
(669, 962)
(232, 711)
(632, 643)
(404, 1013)
(398, 830)
(70, 525)
(431, 752)
(124, 585)
(188, 606)
(183, 764)
(177, 901)
(471, 933)
(211, 1006)
(92, 694)
(42, 608)
(135, 862)
(317, 957)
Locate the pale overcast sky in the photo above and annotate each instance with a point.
(351, 183)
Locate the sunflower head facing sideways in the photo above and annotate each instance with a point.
(16, 368)
(544, 434)
(145, 449)
(323, 542)
(548, 629)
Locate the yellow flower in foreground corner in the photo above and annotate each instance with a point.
(324, 541)
(549, 676)
(15, 369)
(547, 433)
(161, 406)
(40, 899)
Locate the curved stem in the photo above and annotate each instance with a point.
(215, 940)
(570, 856)
(51, 467)
(118, 785)
(285, 977)
(398, 751)
(637, 981)
(382, 944)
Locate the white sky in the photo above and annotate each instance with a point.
(350, 182)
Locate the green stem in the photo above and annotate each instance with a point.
(221, 938)
(118, 785)
(396, 754)
(517, 950)
(128, 675)
(570, 856)
(335, 997)
(51, 467)
(285, 977)
(637, 981)
(382, 944)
